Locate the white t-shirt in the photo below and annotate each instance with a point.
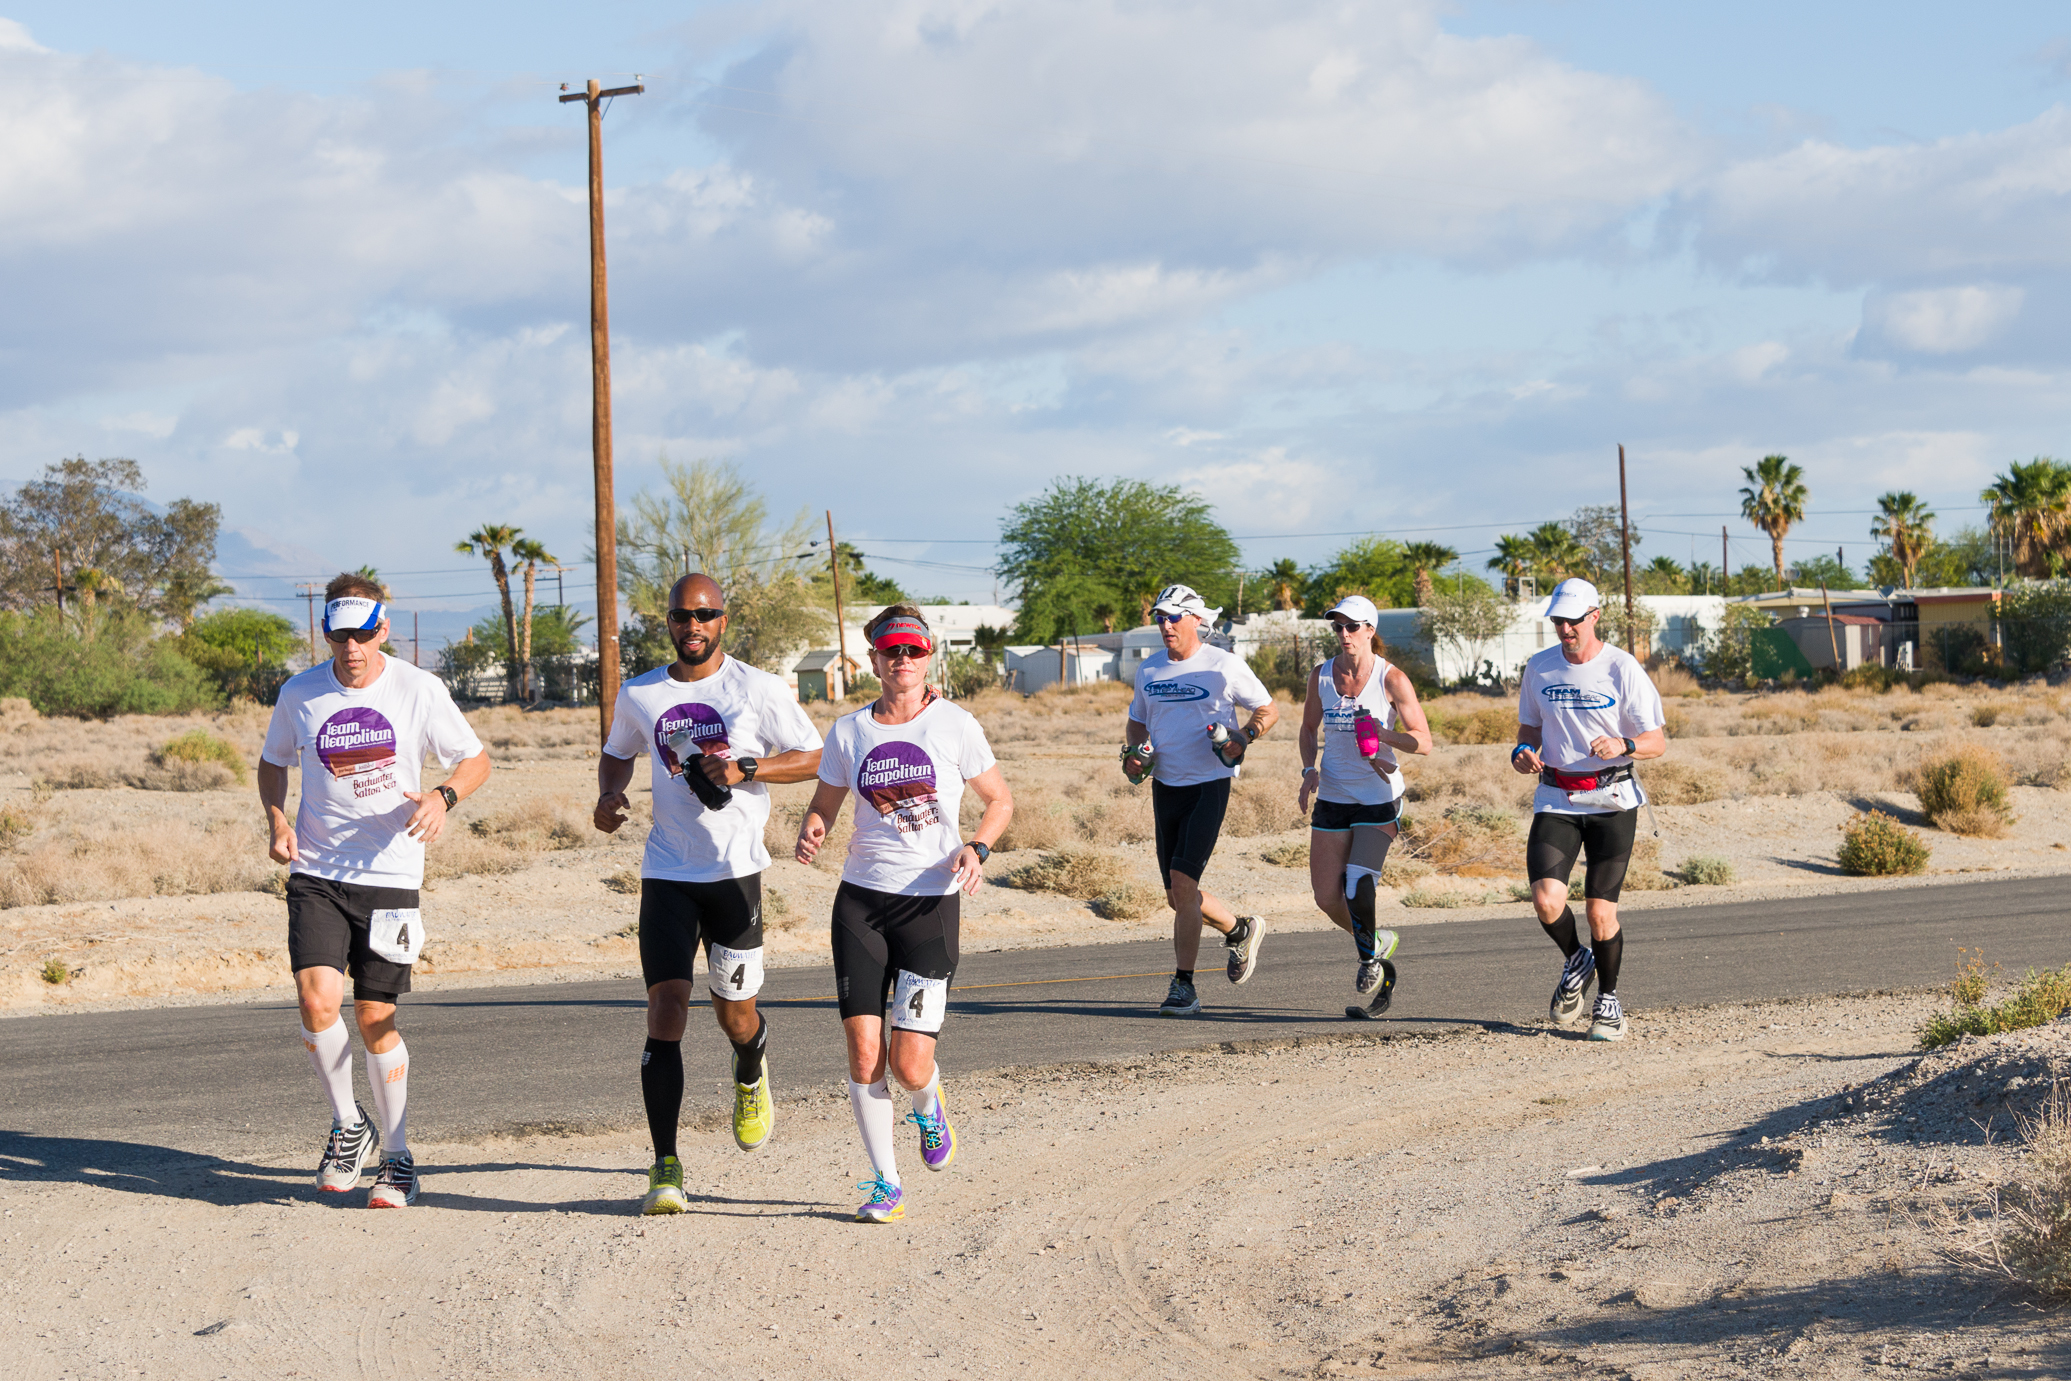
(1572, 705)
(1178, 701)
(1347, 776)
(909, 785)
(738, 712)
(359, 751)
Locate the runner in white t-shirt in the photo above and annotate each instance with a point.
(1586, 712)
(908, 757)
(717, 731)
(359, 726)
(1183, 725)
(1358, 715)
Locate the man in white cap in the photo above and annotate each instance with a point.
(1183, 730)
(360, 726)
(1586, 712)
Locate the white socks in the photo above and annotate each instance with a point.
(1353, 872)
(924, 1099)
(873, 1107)
(389, 1076)
(331, 1053)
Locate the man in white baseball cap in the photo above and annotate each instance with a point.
(1586, 712)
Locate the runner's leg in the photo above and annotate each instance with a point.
(862, 980)
(1555, 841)
(320, 992)
(1328, 851)
(1609, 840)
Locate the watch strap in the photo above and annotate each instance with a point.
(748, 767)
(449, 796)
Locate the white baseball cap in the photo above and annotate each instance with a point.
(1572, 599)
(1357, 608)
(1182, 599)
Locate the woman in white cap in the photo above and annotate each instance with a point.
(1586, 712)
(1359, 714)
(908, 757)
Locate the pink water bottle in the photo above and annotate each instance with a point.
(1368, 730)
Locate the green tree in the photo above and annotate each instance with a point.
(1423, 559)
(1702, 578)
(1376, 567)
(1557, 554)
(87, 516)
(1663, 575)
(98, 662)
(990, 642)
(489, 541)
(2030, 510)
(556, 630)
(1516, 558)
(1905, 525)
(1065, 604)
(531, 555)
(1596, 528)
(1131, 537)
(1825, 570)
(861, 587)
(244, 651)
(1468, 618)
(1773, 500)
(1283, 581)
(2035, 624)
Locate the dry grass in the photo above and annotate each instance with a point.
(518, 735)
(1964, 792)
(79, 854)
(1290, 855)
(1672, 783)
(1466, 841)
(1674, 683)
(2027, 1232)
(1081, 873)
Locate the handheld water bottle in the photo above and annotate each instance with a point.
(685, 747)
(1368, 731)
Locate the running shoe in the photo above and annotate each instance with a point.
(1608, 1024)
(665, 1188)
(883, 1205)
(937, 1135)
(1566, 1007)
(1181, 1000)
(395, 1183)
(1244, 952)
(754, 1111)
(348, 1152)
(1370, 970)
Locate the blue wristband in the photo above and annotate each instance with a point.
(1521, 748)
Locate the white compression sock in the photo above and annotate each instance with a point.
(331, 1053)
(1353, 872)
(924, 1098)
(873, 1108)
(389, 1076)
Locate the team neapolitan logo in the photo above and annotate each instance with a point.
(899, 779)
(354, 742)
(1578, 698)
(1174, 690)
(707, 730)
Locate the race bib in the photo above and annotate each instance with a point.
(919, 1004)
(735, 974)
(397, 936)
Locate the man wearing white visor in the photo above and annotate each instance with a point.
(359, 726)
(1586, 712)
(1183, 732)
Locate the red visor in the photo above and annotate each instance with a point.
(895, 632)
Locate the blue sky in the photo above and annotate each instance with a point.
(1392, 268)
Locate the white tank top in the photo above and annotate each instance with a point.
(1349, 778)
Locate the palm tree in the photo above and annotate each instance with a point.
(489, 540)
(1774, 499)
(1284, 579)
(1514, 558)
(2031, 508)
(1556, 552)
(1906, 525)
(533, 555)
(1424, 558)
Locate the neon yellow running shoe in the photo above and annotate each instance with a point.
(665, 1188)
(754, 1111)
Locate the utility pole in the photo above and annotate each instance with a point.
(600, 411)
(309, 593)
(1725, 571)
(413, 639)
(560, 587)
(57, 565)
(1632, 636)
(841, 631)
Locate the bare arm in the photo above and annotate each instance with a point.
(273, 798)
(1134, 732)
(428, 821)
(991, 786)
(1529, 761)
(1415, 734)
(798, 765)
(614, 775)
(1312, 724)
(1651, 744)
(1263, 719)
(819, 818)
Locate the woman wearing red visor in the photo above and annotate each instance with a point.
(908, 757)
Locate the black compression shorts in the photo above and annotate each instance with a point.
(1188, 820)
(1606, 839)
(676, 916)
(886, 938)
(327, 928)
(1337, 816)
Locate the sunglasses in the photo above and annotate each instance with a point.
(1567, 623)
(900, 651)
(701, 615)
(1342, 626)
(358, 635)
(1162, 619)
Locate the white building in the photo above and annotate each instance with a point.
(955, 627)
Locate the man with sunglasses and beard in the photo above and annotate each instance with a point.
(1586, 712)
(717, 731)
(359, 726)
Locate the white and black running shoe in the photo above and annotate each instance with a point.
(1181, 1000)
(1370, 970)
(347, 1153)
(1608, 1024)
(1575, 976)
(1244, 953)
(395, 1183)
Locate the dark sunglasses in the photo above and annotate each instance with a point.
(358, 635)
(1342, 625)
(701, 615)
(1162, 619)
(899, 651)
(1568, 622)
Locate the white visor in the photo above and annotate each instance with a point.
(353, 612)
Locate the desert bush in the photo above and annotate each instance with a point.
(1489, 724)
(200, 748)
(1707, 870)
(56, 971)
(1728, 653)
(458, 853)
(90, 856)
(1257, 807)
(1425, 899)
(1671, 783)
(244, 651)
(15, 826)
(1291, 855)
(863, 688)
(534, 826)
(2035, 624)
(2041, 996)
(775, 904)
(625, 882)
(1400, 870)
(1985, 716)
(1964, 792)
(1875, 845)
(2033, 1227)
(1643, 873)
(1131, 901)
(1081, 873)
(97, 663)
(1674, 681)
(1466, 841)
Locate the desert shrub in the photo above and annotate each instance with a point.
(1467, 841)
(458, 853)
(96, 664)
(966, 675)
(2040, 997)
(1081, 873)
(1875, 845)
(864, 687)
(56, 971)
(1728, 650)
(534, 826)
(1292, 855)
(1674, 680)
(1707, 870)
(2035, 1242)
(1965, 792)
(775, 904)
(1424, 898)
(244, 651)
(1872, 676)
(626, 882)
(1131, 901)
(1489, 724)
(2035, 624)
(1985, 716)
(89, 855)
(15, 826)
(200, 748)
(1257, 807)
(1401, 870)
(1681, 784)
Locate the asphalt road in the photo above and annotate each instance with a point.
(565, 1055)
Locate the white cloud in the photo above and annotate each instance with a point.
(1942, 321)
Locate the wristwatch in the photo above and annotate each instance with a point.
(1251, 733)
(747, 766)
(1631, 748)
(451, 798)
(982, 850)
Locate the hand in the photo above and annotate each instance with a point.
(1312, 782)
(969, 871)
(610, 812)
(429, 819)
(812, 833)
(1528, 762)
(1607, 747)
(281, 848)
(719, 771)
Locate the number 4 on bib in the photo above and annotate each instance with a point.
(919, 1004)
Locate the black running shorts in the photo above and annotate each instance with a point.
(1606, 839)
(1188, 820)
(327, 929)
(884, 940)
(675, 917)
(1336, 817)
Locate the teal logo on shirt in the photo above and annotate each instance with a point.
(1174, 690)
(1576, 698)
